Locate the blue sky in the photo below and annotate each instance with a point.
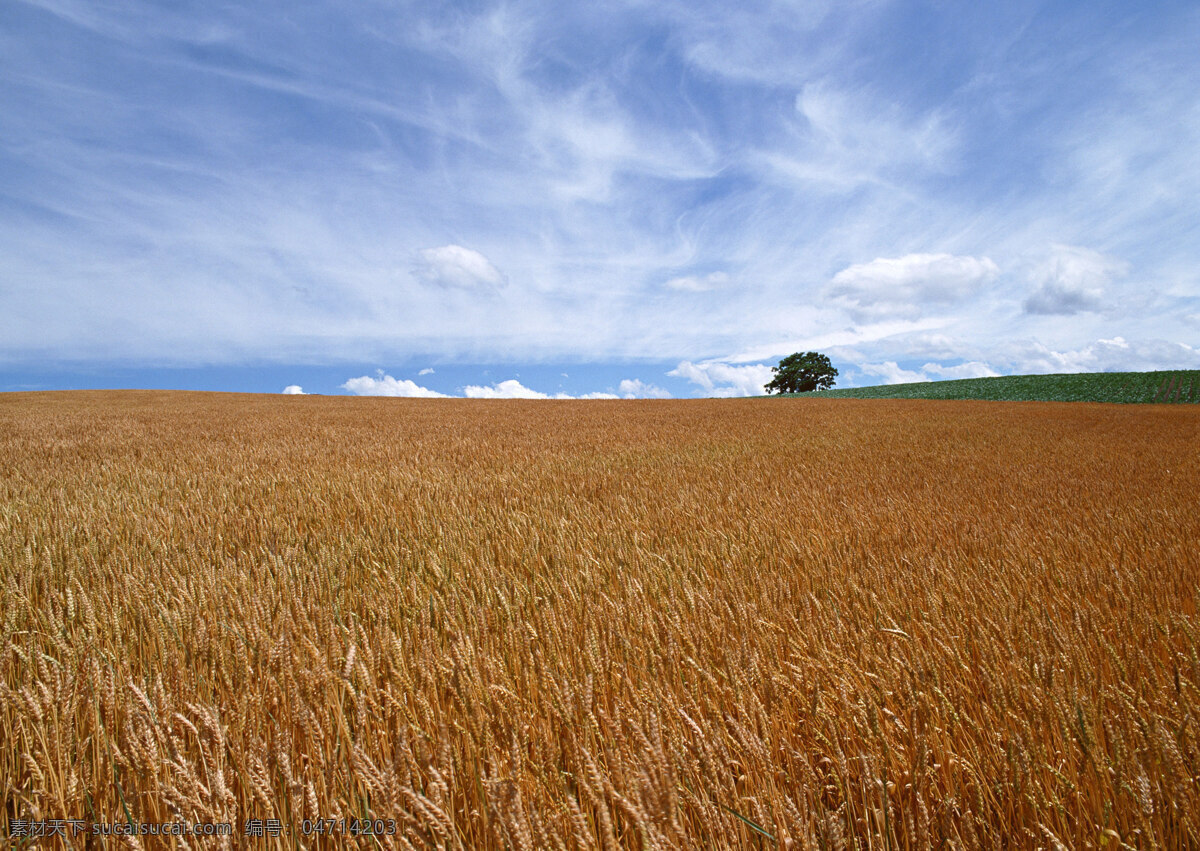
(625, 198)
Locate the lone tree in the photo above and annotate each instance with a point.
(802, 373)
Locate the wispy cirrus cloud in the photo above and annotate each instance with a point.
(698, 283)
(846, 139)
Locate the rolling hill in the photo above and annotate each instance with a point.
(1174, 386)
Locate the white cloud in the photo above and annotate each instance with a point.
(871, 333)
(892, 373)
(1108, 355)
(1022, 357)
(724, 380)
(385, 385)
(698, 284)
(455, 266)
(513, 389)
(635, 388)
(294, 390)
(971, 369)
(510, 389)
(426, 371)
(1072, 280)
(849, 137)
(903, 287)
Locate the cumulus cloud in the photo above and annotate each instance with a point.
(892, 373)
(1019, 357)
(971, 369)
(635, 388)
(513, 389)
(1107, 355)
(903, 287)
(724, 380)
(698, 283)
(386, 385)
(1072, 280)
(294, 390)
(510, 389)
(455, 266)
(1053, 298)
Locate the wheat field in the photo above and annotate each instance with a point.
(602, 624)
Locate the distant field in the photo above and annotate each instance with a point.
(1131, 387)
(601, 624)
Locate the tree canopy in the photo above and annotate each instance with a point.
(802, 373)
